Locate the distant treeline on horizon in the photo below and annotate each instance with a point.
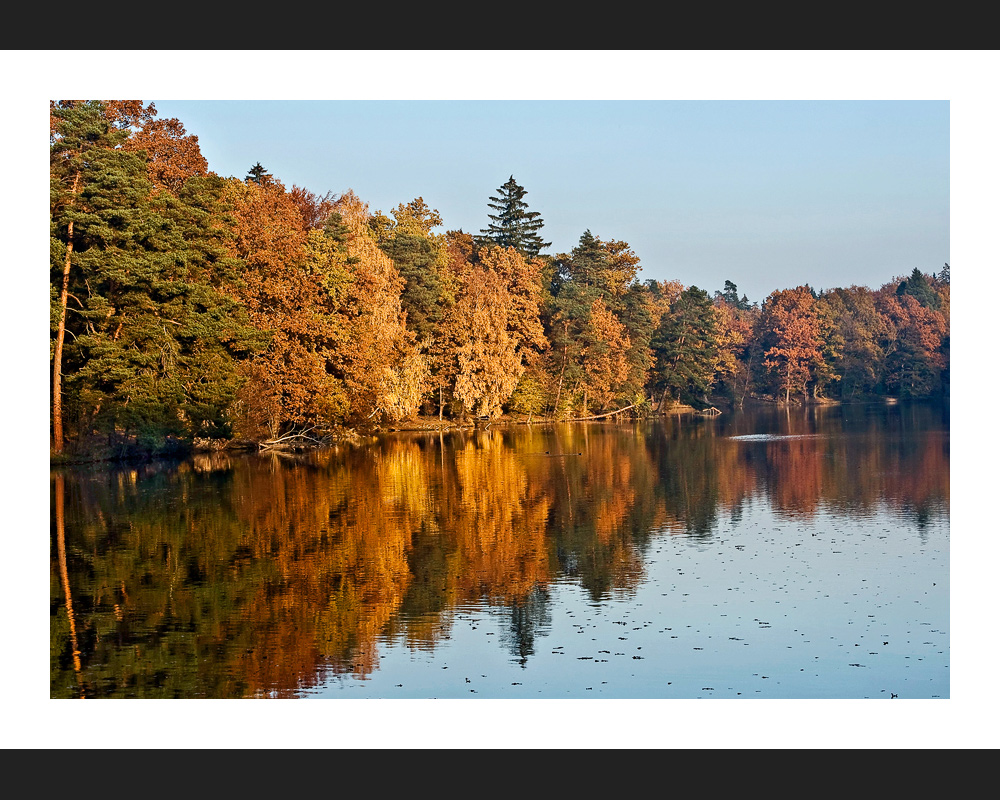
(189, 306)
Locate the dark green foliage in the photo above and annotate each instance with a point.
(636, 315)
(586, 265)
(731, 295)
(598, 270)
(152, 339)
(416, 258)
(513, 225)
(917, 286)
(257, 174)
(685, 347)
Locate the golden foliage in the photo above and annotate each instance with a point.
(384, 368)
(605, 355)
(489, 363)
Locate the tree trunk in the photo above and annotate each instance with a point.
(663, 401)
(555, 408)
(57, 422)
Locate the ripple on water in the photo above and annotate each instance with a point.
(774, 437)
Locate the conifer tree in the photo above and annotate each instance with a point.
(686, 346)
(152, 339)
(918, 286)
(79, 132)
(513, 225)
(257, 174)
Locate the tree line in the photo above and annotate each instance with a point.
(189, 306)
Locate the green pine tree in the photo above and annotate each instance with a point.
(513, 225)
(685, 347)
(918, 286)
(257, 174)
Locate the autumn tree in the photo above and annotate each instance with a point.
(734, 334)
(604, 354)
(496, 328)
(914, 346)
(314, 209)
(605, 271)
(383, 364)
(489, 365)
(285, 381)
(172, 155)
(513, 225)
(790, 331)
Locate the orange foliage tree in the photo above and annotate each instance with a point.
(288, 385)
(385, 371)
(605, 361)
(791, 333)
(914, 359)
(496, 328)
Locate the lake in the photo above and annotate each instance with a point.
(797, 552)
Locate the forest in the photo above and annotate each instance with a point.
(192, 310)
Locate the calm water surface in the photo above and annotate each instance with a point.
(798, 553)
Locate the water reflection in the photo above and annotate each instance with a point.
(252, 576)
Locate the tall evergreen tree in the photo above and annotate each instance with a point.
(599, 271)
(686, 347)
(918, 286)
(82, 151)
(257, 174)
(731, 296)
(513, 225)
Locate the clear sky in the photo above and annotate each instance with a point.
(768, 194)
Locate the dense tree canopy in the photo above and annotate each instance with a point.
(185, 307)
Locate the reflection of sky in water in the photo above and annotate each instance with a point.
(832, 606)
(792, 554)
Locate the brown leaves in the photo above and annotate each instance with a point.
(792, 330)
(172, 155)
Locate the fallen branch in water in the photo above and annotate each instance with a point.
(288, 438)
(600, 416)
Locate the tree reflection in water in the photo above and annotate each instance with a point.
(252, 576)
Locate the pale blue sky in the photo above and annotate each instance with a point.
(768, 194)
